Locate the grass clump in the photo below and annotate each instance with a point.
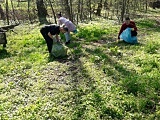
(99, 79)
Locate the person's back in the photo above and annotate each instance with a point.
(62, 20)
(70, 27)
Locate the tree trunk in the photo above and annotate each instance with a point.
(90, 10)
(13, 11)
(7, 12)
(123, 9)
(67, 8)
(71, 11)
(29, 15)
(53, 11)
(79, 9)
(2, 13)
(99, 9)
(42, 12)
(146, 6)
(18, 3)
(127, 7)
(81, 13)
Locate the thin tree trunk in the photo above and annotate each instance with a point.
(13, 11)
(127, 7)
(7, 12)
(79, 9)
(29, 15)
(18, 3)
(146, 6)
(99, 9)
(67, 8)
(53, 11)
(90, 10)
(123, 9)
(71, 11)
(2, 13)
(81, 14)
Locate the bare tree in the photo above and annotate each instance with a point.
(42, 12)
(75, 10)
(29, 15)
(7, 12)
(81, 10)
(99, 9)
(53, 11)
(67, 9)
(2, 13)
(14, 17)
(90, 10)
(123, 9)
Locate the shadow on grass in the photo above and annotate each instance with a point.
(109, 59)
(4, 54)
(64, 59)
(84, 84)
(150, 25)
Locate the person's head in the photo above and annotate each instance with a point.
(59, 15)
(63, 29)
(127, 20)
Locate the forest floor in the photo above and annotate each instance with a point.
(99, 79)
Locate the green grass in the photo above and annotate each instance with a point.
(100, 78)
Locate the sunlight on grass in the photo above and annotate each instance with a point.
(99, 79)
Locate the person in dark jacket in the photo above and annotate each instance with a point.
(48, 31)
(128, 24)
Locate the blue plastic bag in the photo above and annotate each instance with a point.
(126, 36)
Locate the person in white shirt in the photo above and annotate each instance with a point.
(65, 22)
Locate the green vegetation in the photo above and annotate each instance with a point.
(100, 78)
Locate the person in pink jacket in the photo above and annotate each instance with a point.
(65, 22)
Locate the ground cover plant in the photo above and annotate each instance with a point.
(99, 79)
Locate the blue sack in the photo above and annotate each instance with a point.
(126, 36)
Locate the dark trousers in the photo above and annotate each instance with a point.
(133, 33)
(48, 40)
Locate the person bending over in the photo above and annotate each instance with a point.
(48, 31)
(65, 22)
(128, 24)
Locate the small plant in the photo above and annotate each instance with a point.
(149, 23)
(92, 32)
(151, 47)
(134, 85)
(115, 50)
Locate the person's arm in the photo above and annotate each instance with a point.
(134, 26)
(50, 35)
(121, 30)
(57, 38)
(59, 22)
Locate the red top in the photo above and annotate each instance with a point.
(124, 26)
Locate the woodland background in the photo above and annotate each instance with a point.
(19, 11)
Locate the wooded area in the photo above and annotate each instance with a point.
(99, 76)
(19, 11)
